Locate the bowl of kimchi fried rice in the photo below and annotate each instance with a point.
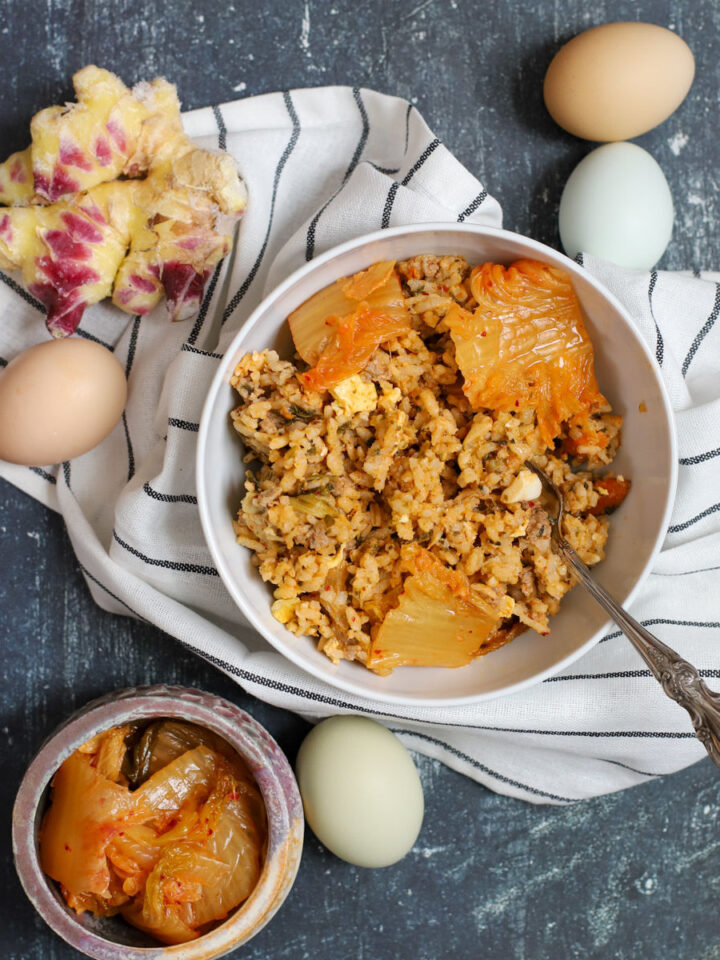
(361, 465)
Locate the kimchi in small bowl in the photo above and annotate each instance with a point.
(158, 822)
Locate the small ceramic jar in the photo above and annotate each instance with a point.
(110, 938)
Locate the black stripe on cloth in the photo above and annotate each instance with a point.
(189, 348)
(276, 182)
(683, 573)
(677, 527)
(21, 292)
(407, 125)
(639, 734)
(626, 766)
(363, 136)
(44, 474)
(387, 210)
(222, 129)
(429, 149)
(618, 674)
(281, 687)
(66, 472)
(183, 424)
(128, 444)
(132, 345)
(472, 207)
(703, 332)
(90, 336)
(481, 766)
(166, 564)
(128, 367)
(389, 201)
(579, 259)
(241, 674)
(389, 171)
(208, 294)
(335, 702)
(360, 146)
(659, 342)
(3, 362)
(699, 458)
(205, 305)
(665, 622)
(168, 497)
(102, 586)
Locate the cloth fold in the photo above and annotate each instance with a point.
(324, 165)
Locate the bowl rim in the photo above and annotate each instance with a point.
(220, 380)
(253, 743)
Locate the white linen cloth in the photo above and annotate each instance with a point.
(324, 165)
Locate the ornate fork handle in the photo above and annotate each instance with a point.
(679, 679)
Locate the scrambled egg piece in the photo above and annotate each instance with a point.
(284, 610)
(525, 486)
(355, 395)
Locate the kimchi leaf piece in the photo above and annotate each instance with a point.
(525, 344)
(440, 620)
(356, 337)
(379, 287)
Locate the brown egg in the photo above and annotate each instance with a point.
(618, 80)
(58, 400)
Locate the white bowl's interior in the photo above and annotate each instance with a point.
(626, 376)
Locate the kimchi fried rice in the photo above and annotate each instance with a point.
(352, 492)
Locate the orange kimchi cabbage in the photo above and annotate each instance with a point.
(525, 345)
(339, 328)
(436, 603)
(163, 825)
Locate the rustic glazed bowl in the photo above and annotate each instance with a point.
(110, 938)
(628, 376)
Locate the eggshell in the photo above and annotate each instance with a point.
(361, 791)
(59, 399)
(617, 205)
(618, 80)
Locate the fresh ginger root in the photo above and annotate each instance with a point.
(79, 235)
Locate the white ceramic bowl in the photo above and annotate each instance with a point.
(627, 375)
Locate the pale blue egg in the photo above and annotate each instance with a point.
(617, 205)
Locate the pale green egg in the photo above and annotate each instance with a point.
(617, 205)
(360, 789)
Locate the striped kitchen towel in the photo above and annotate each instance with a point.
(322, 166)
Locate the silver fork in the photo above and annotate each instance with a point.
(679, 679)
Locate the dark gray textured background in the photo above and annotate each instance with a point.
(636, 875)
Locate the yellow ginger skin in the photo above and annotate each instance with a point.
(79, 235)
(16, 179)
(110, 131)
(70, 251)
